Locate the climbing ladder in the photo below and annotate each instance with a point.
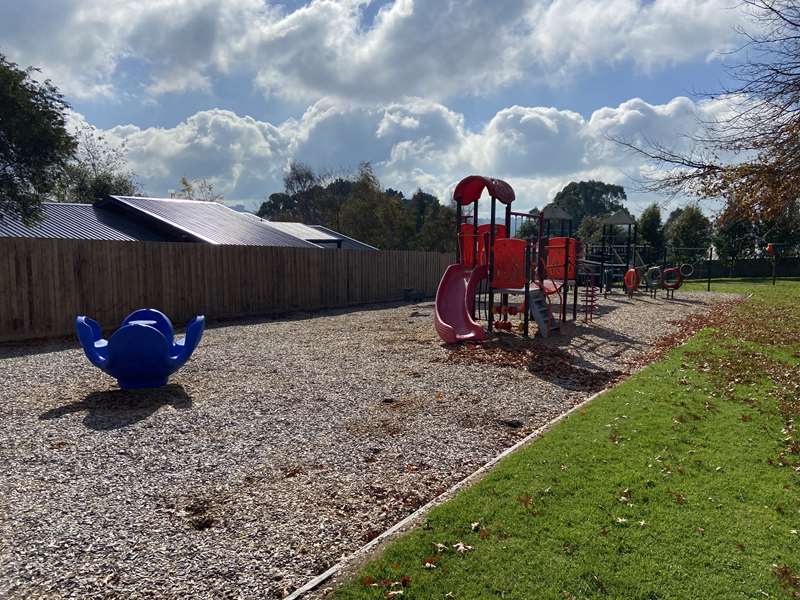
(589, 295)
(541, 313)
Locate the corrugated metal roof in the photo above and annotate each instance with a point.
(79, 222)
(211, 222)
(348, 243)
(319, 234)
(305, 232)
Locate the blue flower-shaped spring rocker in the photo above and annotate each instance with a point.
(143, 352)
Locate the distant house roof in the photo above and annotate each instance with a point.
(208, 222)
(317, 234)
(620, 218)
(81, 222)
(348, 243)
(304, 232)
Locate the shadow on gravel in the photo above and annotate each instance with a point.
(588, 339)
(541, 360)
(116, 409)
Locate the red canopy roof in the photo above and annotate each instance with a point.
(470, 189)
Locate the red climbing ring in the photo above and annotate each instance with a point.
(676, 283)
(632, 279)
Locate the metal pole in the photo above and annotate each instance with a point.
(539, 250)
(504, 298)
(628, 250)
(525, 318)
(475, 234)
(458, 232)
(565, 284)
(710, 258)
(575, 294)
(603, 259)
(575, 287)
(774, 266)
(490, 250)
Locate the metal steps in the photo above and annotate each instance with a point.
(540, 311)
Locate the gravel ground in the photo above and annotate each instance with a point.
(279, 448)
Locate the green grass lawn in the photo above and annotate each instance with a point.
(683, 482)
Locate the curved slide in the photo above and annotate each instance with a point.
(455, 298)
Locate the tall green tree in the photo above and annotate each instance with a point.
(434, 223)
(733, 239)
(357, 206)
(529, 228)
(308, 197)
(35, 146)
(671, 219)
(690, 234)
(374, 217)
(651, 230)
(590, 198)
(590, 229)
(97, 169)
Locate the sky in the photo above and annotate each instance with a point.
(428, 91)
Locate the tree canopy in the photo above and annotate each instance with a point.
(651, 229)
(689, 232)
(587, 202)
(357, 206)
(35, 145)
(590, 198)
(200, 189)
(97, 169)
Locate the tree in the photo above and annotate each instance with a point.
(374, 217)
(749, 156)
(590, 198)
(590, 229)
(434, 224)
(201, 190)
(673, 216)
(332, 202)
(299, 178)
(690, 233)
(651, 230)
(97, 169)
(733, 239)
(438, 231)
(309, 197)
(529, 228)
(356, 205)
(35, 145)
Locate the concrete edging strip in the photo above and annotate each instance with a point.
(446, 495)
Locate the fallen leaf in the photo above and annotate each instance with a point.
(462, 548)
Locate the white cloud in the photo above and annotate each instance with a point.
(242, 156)
(412, 48)
(85, 44)
(569, 34)
(412, 144)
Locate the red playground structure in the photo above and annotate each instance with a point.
(491, 263)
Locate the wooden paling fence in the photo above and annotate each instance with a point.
(45, 283)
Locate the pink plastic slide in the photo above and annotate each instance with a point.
(455, 298)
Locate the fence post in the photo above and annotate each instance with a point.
(774, 267)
